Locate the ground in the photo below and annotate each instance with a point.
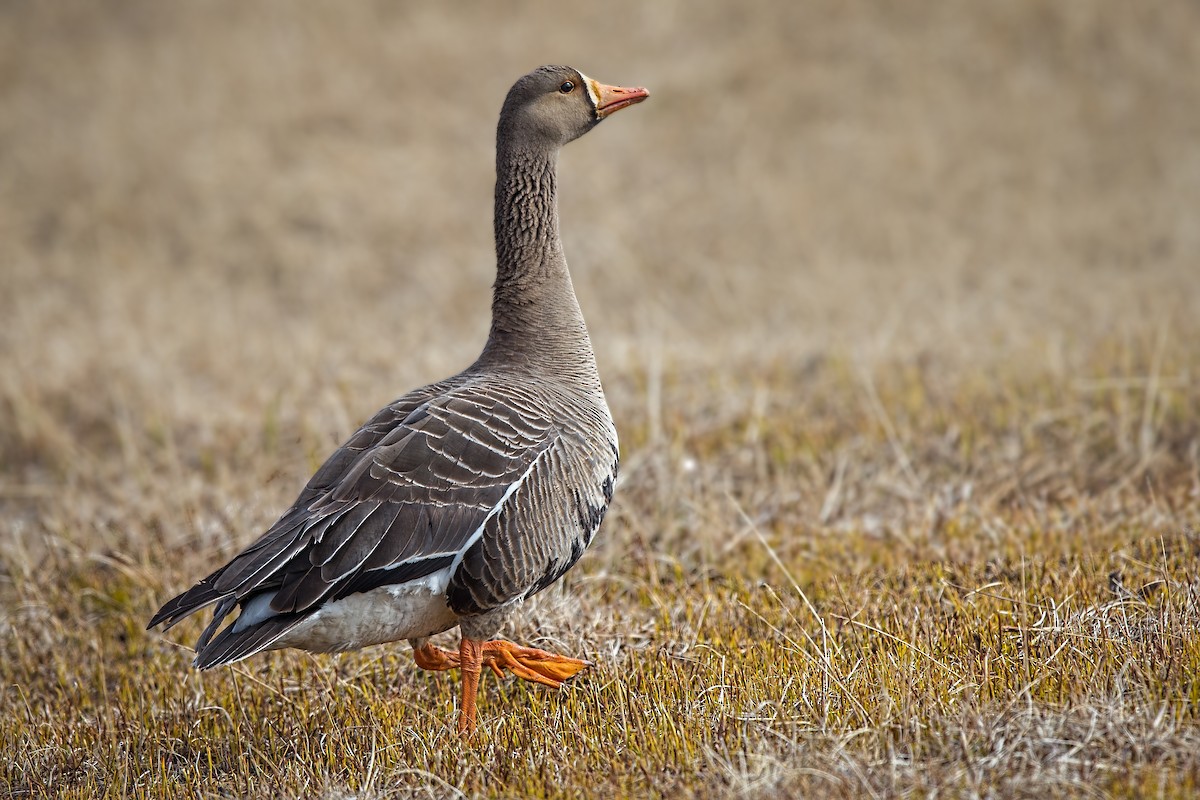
(896, 308)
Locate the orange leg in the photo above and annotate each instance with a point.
(527, 663)
(470, 654)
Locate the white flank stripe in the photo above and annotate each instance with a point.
(512, 488)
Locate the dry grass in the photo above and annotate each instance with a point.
(896, 306)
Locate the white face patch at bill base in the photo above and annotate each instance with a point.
(592, 91)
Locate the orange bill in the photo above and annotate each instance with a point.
(613, 98)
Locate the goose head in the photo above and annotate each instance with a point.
(554, 105)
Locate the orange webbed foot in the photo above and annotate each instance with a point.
(527, 663)
(531, 664)
(432, 657)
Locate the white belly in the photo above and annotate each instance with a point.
(390, 613)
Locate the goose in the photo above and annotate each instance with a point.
(463, 498)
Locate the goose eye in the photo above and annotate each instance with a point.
(567, 87)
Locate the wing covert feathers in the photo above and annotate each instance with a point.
(430, 480)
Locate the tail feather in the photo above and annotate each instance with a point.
(219, 613)
(188, 603)
(232, 645)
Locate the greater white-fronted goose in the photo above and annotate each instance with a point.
(464, 497)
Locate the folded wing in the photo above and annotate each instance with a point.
(405, 497)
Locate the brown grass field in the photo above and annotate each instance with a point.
(898, 309)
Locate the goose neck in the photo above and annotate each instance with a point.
(535, 315)
(526, 216)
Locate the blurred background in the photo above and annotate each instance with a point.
(910, 289)
(222, 220)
